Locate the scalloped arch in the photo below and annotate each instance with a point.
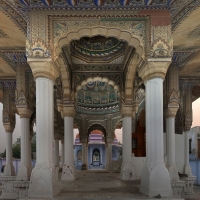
(124, 35)
(101, 79)
(95, 124)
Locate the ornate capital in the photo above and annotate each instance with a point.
(154, 68)
(171, 111)
(43, 67)
(8, 127)
(127, 110)
(24, 112)
(68, 110)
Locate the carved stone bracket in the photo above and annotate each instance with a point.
(154, 68)
(43, 67)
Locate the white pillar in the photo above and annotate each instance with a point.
(9, 168)
(84, 154)
(155, 176)
(25, 168)
(171, 162)
(68, 168)
(127, 169)
(109, 156)
(56, 143)
(44, 178)
(187, 163)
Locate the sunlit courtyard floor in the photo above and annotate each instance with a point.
(103, 185)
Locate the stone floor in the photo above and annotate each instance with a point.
(100, 185)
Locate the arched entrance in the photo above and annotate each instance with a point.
(96, 157)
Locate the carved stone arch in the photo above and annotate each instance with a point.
(116, 32)
(97, 126)
(65, 78)
(130, 76)
(123, 35)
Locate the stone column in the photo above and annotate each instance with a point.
(44, 178)
(187, 126)
(84, 154)
(127, 169)
(62, 150)
(172, 106)
(8, 119)
(171, 162)
(25, 168)
(155, 176)
(68, 168)
(9, 168)
(109, 155)
(56, 147)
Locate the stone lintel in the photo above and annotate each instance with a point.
(24, 112)
(171, 111)
(43, 67)
(155, 68)
(8, 127)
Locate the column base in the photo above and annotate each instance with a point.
(127, 171)
(156, 181)
(24, 172)
(173, 173)
(44, 182)
(188, 170)
(68, 173)
(9, 170)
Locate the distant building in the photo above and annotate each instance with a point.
(96, 151)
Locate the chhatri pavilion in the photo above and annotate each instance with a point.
(99, 65)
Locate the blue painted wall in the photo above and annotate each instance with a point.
(195, 165)
(91, 148)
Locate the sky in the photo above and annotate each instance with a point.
(118, 132)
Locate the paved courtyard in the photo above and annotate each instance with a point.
(103, 185)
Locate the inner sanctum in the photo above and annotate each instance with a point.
(99, 67)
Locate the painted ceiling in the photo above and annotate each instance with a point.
(97, 98)
(185, 26)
